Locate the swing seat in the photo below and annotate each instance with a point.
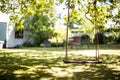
(82, 61)
(78, 39)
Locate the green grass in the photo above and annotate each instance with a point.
(45, 64)
(84, 47)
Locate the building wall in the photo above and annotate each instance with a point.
(12, 41)
(4, 20)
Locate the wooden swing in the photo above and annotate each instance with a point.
(66, 60)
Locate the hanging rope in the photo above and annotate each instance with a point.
(66, 56)
(95, 22)
(96, 29)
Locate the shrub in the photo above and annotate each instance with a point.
(102, 39)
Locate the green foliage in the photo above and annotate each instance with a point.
(39, 28)
(100, 13)
(27, 44)
(37, 16)
(19, 25)
(18, 9)
(102, 28)
(114, 38)
(58, 36)
(113, 35)
(76, 17)
(61, 1)
(101, 38)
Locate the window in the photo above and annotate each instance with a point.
(19, 34)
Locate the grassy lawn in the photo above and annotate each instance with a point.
(47, 64)
(91, 47)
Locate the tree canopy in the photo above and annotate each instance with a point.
(39, 16)
(18, 9)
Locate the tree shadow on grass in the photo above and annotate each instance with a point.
(105, 71)
(24, 67)
(15, 67)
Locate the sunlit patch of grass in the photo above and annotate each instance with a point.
(81, 47)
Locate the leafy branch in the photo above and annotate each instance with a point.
(95, 8)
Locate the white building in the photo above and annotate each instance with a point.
(8, 33)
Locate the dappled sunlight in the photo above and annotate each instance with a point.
(110, 52)
(49, 65)
(58, 72)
